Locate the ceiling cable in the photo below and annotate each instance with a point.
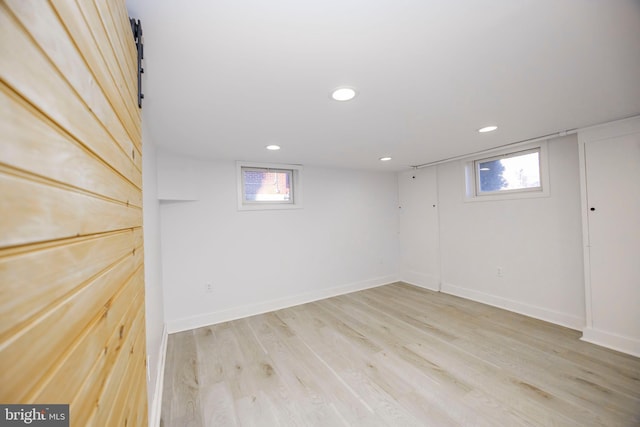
(500, 147)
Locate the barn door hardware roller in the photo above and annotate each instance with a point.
(136, 27)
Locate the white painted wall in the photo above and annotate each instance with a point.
(537, 241)
(418, 217)
(154, 304)
(345, 238)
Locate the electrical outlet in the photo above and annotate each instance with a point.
(208, 288)
(499, 272)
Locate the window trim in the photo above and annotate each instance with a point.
(471, 190)
(296, 186)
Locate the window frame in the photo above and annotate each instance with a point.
(289, 172)
(295, 193)
(472, 191)
(476, 167)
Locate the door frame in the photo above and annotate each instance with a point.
(585, 136)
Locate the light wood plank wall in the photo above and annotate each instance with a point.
(71, 252)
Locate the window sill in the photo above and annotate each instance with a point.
(508, 196)
(266, 207)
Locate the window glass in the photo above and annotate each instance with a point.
(267, 185)
(511, 172)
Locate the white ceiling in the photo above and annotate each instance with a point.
(224, 78)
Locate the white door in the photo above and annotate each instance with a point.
(613, 203)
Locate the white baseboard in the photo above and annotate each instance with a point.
(613, 341)
(156, 405)
(421, 280)
(212, 318)
(563, 319)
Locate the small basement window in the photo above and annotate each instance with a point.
(510, 174)
(269, 186)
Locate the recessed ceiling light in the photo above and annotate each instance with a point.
(343, 93)
(385, 159)
(487, 129)
(272, 147)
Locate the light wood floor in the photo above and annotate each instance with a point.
(396, 355)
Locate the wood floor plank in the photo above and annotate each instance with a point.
(394, 338)
(560, 344)
(397, 355)
(183, 398)
(486, 380)
(218, 408)
(298, 370)
(264, 368)
(257, 411)
(329, 349)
